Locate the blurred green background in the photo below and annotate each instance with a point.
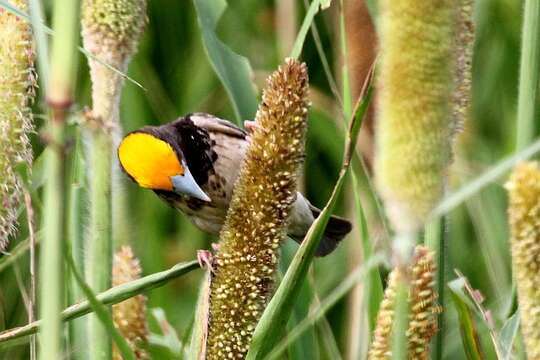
(177, 77)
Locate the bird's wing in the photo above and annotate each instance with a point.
(214, 124)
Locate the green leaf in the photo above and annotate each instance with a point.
(232, 69)
(109, 297)
(302, 33)
(496, 171)
(469, 334)
(508, 334)
(356, 276)
(373, 288)
(167, 340)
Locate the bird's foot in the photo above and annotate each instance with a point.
(250, 126)
(205, 259)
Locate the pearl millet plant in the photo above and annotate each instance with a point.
(422, 304)
(17, 82)
(415, 123)
(257, 218)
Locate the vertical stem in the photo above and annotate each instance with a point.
(51, 292)
(59, 97)
(401, 319)
(528, 74)
(99, 245)
(435, 239)
(403, 245)
(77, 328)
(32, 297)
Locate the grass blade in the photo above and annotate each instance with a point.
(496, 171)
(338, 293)
(306, 24)
(232, 69)
(473, 300)
(110, 297)
(469, 334)
(373, 288)
(508, 334)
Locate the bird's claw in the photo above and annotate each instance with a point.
(205, 259)
(250, 126)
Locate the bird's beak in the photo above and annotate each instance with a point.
(186, 184)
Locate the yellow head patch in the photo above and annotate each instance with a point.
(149, 160)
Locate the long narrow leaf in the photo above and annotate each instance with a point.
(469, 334)
(373, 288)
(496, 171)
(338, 293)
(232, 69)
(508, 335)
(301, 37)
(110, 297)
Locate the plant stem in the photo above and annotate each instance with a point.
(401, 320)
(77, 329)
(59, 97)
(435, 239)
(51, 292)
(110, 297)
(99, 245)
(528, 74)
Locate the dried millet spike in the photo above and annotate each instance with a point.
(258, 214)
(524, 217)
(381, 345)
(415, 122)
(423, 309)
(17, 82)
(111, 30)
(129, 316)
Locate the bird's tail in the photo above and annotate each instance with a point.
(335, 231)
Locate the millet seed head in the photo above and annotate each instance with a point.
(17, 86)
(524, 217)
(129, 316)
(423, 309)
(415, 122)
(258, 214)
(111, 29)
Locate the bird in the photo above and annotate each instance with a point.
(192, 164)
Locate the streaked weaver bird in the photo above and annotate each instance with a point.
(192, 164)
